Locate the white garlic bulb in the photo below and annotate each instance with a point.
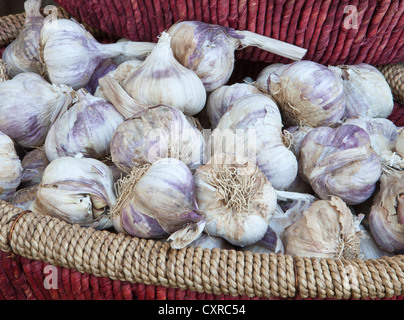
(366, 89)
(22, 54)
(221, 98)
(253, 127)
(340, 162)
(86, 127)
(236, 199)
(157, 201)
(77, 190)
(159, 132)
(70, 53)
(163, 80)
(327, 229)
(28, 107)
(10, 168)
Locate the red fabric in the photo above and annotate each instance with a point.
(397, 115)
(323, 27)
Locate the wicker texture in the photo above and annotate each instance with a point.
(324, 27)
(217, 272)
(394, 74)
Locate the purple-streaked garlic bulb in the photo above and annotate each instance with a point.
(70, 54)
(340, 162)
(158, 201)
(10, 168)
(86, 127)
(221, 98)
(327, 229)
(161, 79)
(28, 107)
(262, 79)
(209, 49)
(22, 55)
(307, 93)
(159, 132)
(33, 166)
(366, 90)
(383, 135)
(253, 127)
(77, 191)
(235, 197)
(386, 218)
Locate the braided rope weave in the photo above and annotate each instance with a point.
(394, 74)
(216, 271)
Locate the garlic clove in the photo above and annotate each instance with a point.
(22, 55)
(10, 168)
(33, 165)
(235, 197)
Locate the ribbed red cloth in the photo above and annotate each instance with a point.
(333, 32)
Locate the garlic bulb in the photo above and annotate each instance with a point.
(70, 54)
(383, 136)
(387, 212)
(159, 200)
(327, 229)
(399, 147)
(33, 165)
(28, 107)
(209, 49)
(120, 73)
(163, 80)
(86, 127)
(22, 55)
(235, 197)
(340, 162)
(77, 190)
(106, 66)
(207, 241)
(270, 243)
(253, 128)
(10, 168)
(307, 93)
(160, 132)
(221, 98)
(262, 79)
(366, 89)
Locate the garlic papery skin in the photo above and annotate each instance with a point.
(262, 79)
(209, 49)
(307, 93)
(221, 98)
(10, 168)
(207, 241)
(235, 197)
(387, 212)
(22, 55)
(33, 165)
(86, 127)
(163, 80)
(28, 107)
(157, 201)
(399, 147)
(366, 89)
(383, 135)
(120, 73)
(77, 190)
(24, 198)
(106, 66)
(252, 127)
(340, 162)
(327, 229)
(70, 54)
(3, 71)
(297, 135)
(160, 132)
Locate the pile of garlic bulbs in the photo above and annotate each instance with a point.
(114, 141)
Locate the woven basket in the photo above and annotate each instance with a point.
(91, 264)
